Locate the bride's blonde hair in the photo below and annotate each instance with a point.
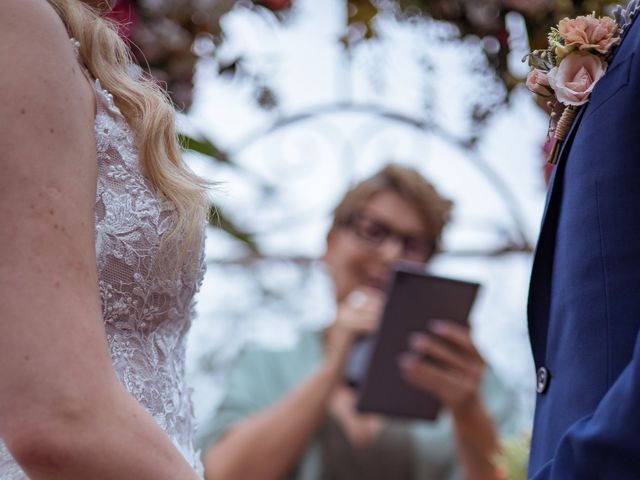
(151, 116)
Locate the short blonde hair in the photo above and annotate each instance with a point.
(434, 209)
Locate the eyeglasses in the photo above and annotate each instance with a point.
(374, 232)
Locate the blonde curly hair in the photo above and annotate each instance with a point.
(150, 114)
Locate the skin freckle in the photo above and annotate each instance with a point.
(54, 192)
(56, 285)
(50, 212)
(77, 265)
(23, 111)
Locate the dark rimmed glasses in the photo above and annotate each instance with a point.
(374, 232)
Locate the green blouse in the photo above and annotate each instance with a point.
(261, 377)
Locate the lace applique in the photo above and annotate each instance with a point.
(76, 46)
(146, 313)
(9, 470)
(108, 98)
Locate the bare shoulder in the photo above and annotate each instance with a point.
(48, 284)
(44, 96)
(47, 139)
(34, 40)
(46, 103)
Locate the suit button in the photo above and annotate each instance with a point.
(543, 378)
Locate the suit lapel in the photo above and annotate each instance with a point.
(552, 192)
(540, 286)
(539, 290)
(538, 308)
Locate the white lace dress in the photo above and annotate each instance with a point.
(146, 315)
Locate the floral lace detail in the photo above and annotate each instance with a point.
(9, 470)
(146, 311)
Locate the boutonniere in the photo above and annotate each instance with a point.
(569, 68)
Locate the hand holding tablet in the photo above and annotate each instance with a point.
(445, 362)
(411, 366)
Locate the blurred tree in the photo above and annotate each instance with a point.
(484, 19)
(169, 36)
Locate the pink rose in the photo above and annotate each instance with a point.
(538, 83)
(589, 33)
(574, 79)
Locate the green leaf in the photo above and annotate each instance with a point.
(217, 219)
(205, 147)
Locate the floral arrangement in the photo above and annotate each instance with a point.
(568, 70)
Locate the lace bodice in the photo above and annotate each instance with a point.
(146, 313)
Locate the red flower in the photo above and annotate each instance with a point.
(125, 16)
(276, 5)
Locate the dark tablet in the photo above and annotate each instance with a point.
(414, 297)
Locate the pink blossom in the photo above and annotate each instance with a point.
(589, 33)
(574, 79)
(538, 83)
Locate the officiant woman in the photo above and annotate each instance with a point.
(290, 414)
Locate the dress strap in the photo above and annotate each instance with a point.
(104, 99)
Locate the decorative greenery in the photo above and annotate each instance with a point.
(218, 219)
(513, 459)
(204, 147)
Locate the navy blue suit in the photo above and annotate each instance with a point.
(584, 299)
